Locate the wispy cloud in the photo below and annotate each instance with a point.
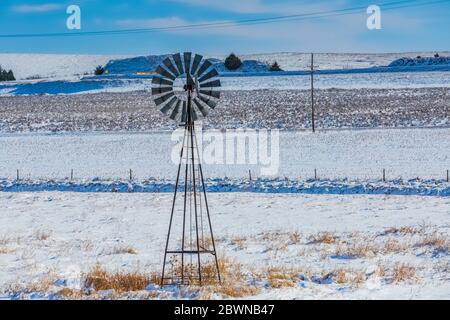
(36, 8)
(240, 6)
(260, 6)
(152, 23)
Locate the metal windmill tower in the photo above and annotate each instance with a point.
(190, 255)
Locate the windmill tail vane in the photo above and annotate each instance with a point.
(190, 249)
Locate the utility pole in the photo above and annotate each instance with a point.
(313, 121)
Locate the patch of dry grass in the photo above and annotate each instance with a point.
(43, 284)
(100, 279)
(403, 230)
(403, 272)
(233, 280)
(323, 237)
(124, 249)
(435, 240)
(393, 246)
(360, 249)
(239, 242)
(347, 276)
(41, 235)
(281, 277)
(69, 293)
(5, 250)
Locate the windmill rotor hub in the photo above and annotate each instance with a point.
(183, 79)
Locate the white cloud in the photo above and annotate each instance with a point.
(36, 8)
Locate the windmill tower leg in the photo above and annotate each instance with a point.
(194, 186)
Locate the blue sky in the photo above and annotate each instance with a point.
(406, 29)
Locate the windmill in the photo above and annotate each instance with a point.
(184, 256)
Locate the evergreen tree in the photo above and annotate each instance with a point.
(275, 67)
(99, 71)
(232, 62)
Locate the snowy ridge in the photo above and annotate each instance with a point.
(420, 61)
(394, 187)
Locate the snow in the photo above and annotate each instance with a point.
(69, 74)
(336, 154)
(83, 230)
(260, 185)
(52, 65)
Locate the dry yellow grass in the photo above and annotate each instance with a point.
(100, 279)
(435, 240)
(393, 246)
(123, 249)
(403, 272)
(4, 250)
(69, 293)
(281, 277)
(358, 249)
(239, 242)
(323, 237)
(403, 230)
(41, 235)
(347, 276)
(233, 281)
(295, 237)
(43, 284)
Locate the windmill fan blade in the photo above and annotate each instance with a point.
(184, 113)
(204, 67)
(187, 62)
(161, 81)
(211, 84)
(197, 59)
(163, 72)
(164, 98)
(202, 109)
(177, 59)
(209, 102)
(168, 105)
(194, 115)
(168, 63)
(211, 74)
(214, 94)
(161, 90)
(176, 110)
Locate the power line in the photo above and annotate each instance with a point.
(314, 15)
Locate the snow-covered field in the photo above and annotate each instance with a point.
(396, 80)
(289, 246)
(353, 154)
(258, 109)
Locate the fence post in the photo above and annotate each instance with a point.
(315, 174)
(448, 177)
(384, 175)
(17, 175)
(71, 174)
(131, 175)
(250, 175)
